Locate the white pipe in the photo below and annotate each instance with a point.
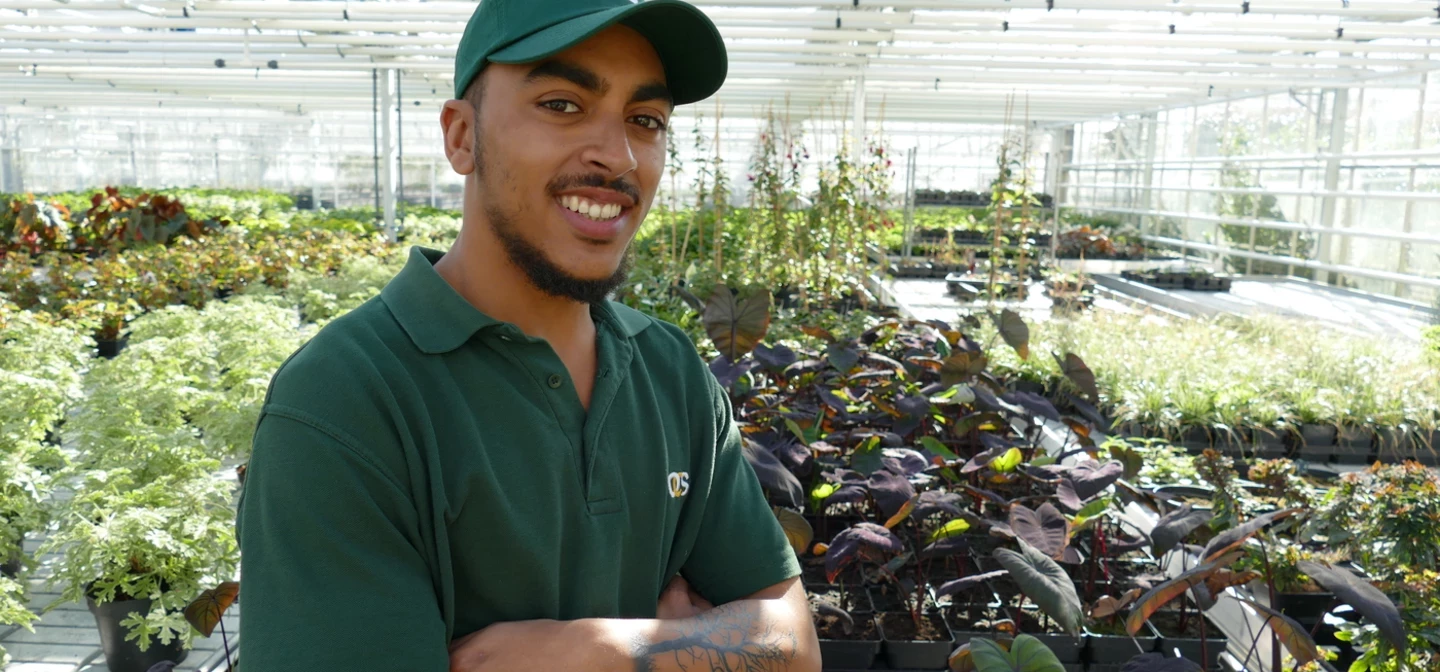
(1429, 197)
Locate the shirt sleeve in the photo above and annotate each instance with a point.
(740, 548)
(331, 578)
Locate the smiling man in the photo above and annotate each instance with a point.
(491, 466)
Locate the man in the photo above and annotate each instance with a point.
(490, 467)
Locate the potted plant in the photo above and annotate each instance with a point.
(1296, 594)
(845, 625)
(24, 501)
(1106, 640)
(1058, 617)
(119, 542)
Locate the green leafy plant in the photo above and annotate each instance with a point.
(161, 539)
(1430, 343)
(1025, 654)
(13, 610)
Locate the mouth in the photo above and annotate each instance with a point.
(592, 219)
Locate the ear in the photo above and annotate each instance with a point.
(457, 123)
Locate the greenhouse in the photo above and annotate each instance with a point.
(1082, 335)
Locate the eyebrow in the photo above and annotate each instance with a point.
(586, 78)
(578, 75)
(652, 92)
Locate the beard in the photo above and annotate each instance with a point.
(543, 273)
(546, 275)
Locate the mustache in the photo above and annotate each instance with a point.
(594, 180)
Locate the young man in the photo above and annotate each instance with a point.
(490, 467)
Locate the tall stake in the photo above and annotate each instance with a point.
(719, 196)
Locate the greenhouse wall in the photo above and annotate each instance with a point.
(1335, 185)
(332, 155)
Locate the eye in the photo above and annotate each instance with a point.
(649, 122)
(561, 105)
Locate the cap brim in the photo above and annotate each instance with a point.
(688, 44)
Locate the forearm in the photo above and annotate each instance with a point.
(754, 635)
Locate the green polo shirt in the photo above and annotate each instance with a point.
(421, 470)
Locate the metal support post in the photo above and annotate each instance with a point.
(1152, 125)
(1403, 265)
(910, 170)
(1334, 145)
(388, 148)
(857, 127)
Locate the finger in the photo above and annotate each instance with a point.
(673, 604)
(699, 602)
(678, 583)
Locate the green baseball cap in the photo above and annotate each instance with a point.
(524, 31)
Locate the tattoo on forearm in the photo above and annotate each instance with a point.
(725, 639)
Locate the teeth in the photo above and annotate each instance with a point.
(591, 209)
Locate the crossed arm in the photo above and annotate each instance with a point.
(770, 631)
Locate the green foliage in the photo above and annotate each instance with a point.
(1283, 557)
(1164, 464)
(1283, 484)
(13, 610)
(190, 381)
(1228, 499)
(1430, 344)
(26, 482)
(1236, 372)
(323, 297)
(166, 538)
(40, 367)
(31, 225)
(1386, 518)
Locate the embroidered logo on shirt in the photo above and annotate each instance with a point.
(679, 482)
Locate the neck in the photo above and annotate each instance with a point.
(477, 267)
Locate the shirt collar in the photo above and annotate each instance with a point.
(439, 320)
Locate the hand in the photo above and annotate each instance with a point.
(536, 645)
(679, 600)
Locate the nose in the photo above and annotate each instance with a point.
(609, 150)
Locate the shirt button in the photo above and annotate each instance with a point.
(555, 381)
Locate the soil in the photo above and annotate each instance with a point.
(833, 627)
(1167, 621)
(837, 596)
(1109, 627)
(885, 598)
(900, 627)
(965, 616)
(982, 618)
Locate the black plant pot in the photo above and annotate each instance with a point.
(845, 654)
(916, 655)
(110, 349)
(1306, 608)
(1206, 651)
(1117, 650)
(1194, 439)
(126, 656)
(1317, 442)
(12, 566)
(1393, 444)
(1267, 444)
(1069, 650)
(852, 654)
(1355, 445)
